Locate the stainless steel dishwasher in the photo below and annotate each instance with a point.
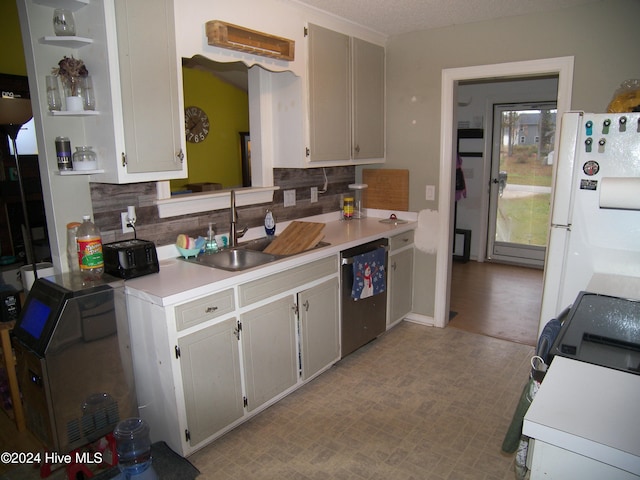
(363, 319)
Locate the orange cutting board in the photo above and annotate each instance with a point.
(296, 238)
(388, 189)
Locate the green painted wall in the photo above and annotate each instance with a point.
(12, 59)
(217, 159)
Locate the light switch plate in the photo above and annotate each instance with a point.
(289, 198)
(431, 192)
(314, 194)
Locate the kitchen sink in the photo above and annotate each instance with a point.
(246, 255)
(234, 259)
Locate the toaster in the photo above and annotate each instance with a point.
(130, 258)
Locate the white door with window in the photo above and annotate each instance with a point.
(520, 189)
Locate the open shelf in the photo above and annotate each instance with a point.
(72, 5)
(70, 42)
(234, 37)
(65, 173)
(80, 113)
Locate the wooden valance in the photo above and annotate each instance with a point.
(234, 37)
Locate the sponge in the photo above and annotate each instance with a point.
(182, 241)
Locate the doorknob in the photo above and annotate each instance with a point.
(495, 180)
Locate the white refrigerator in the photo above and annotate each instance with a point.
(594, 235)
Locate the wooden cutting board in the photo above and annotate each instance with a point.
(387, 189)
(296, 238)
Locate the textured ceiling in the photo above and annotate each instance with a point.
(393, 17)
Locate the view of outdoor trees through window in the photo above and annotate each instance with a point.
(526, 163)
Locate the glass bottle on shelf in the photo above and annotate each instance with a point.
(53, 93)
(88, 98)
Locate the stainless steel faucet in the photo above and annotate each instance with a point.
(234, 235)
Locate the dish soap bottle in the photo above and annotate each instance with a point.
(269, 225)
(211, 246)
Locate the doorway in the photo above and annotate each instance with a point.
(520, 187)
(562, 66)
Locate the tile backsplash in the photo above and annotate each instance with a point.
(109, 200)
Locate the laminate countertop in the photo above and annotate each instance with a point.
(589, 410)
(178, 281)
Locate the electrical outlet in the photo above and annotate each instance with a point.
(289, 198)
(123, 219)
(314, 194)
(431, 192)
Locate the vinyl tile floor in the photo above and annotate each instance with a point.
(417, 403)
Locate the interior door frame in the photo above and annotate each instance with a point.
(561, 66)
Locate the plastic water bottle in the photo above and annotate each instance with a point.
(90, 256)
(133, 445)
(72, 246)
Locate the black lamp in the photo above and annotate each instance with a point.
(15, 112)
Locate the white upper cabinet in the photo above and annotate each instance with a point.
(368, 100)
(329, 95)
(346, 98)
(146, 91)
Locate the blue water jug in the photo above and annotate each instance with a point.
(133, 445)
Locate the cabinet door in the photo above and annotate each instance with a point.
(368, 100)
(210, 364)
(149, 84)
(269, 351)
(329, 95)
(400, 285)
(319, 327)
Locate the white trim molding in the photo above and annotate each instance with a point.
(217, 200)
(561, 66)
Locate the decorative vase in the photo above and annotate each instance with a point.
(63, 23)
(73, 94)
(84, 158)
(88, 98)
(53, 93)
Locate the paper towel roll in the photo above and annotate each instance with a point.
(426, 234)
(620, 192)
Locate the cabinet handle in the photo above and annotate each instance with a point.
(211, 309)
(357, 148)
(394, 266)
(124, 159)
(180, 156)
(306, 305)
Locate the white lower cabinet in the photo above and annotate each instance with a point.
(211, 378)
(206, 365)
(269, 351)
(319, 327)
(400, 277)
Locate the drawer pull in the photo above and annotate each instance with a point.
(211, 309)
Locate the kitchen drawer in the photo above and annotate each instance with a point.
(203, 309)
(401, 240)
(257, 290)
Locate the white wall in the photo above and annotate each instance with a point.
(601, 36)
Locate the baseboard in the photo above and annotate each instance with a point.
(421, 319)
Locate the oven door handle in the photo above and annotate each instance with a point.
(349, 260)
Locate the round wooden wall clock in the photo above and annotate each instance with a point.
(196, 124)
